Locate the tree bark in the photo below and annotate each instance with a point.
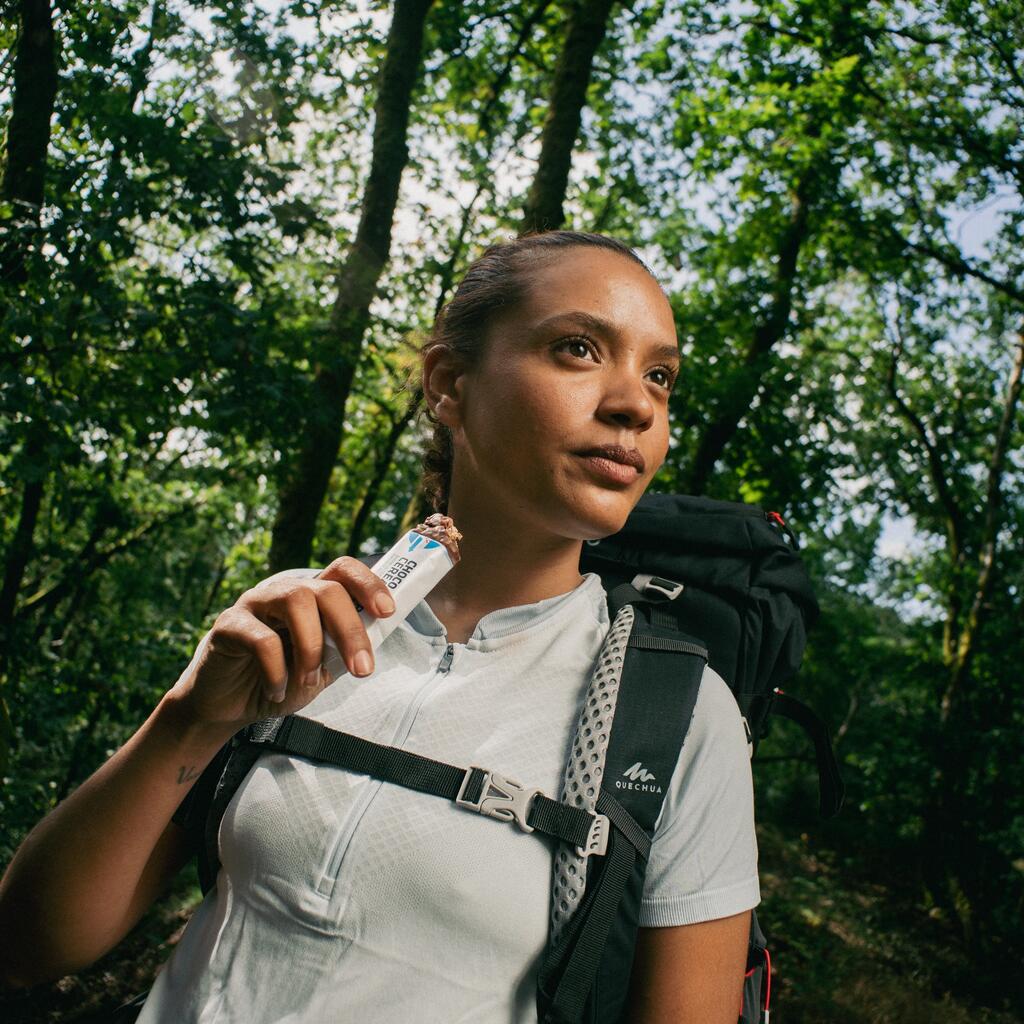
(23, 187)
(28, 137)
(588, 24)
(303, 485)
(28, 134)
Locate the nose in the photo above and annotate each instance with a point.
(628, 403)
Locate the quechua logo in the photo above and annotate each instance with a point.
(639, 778)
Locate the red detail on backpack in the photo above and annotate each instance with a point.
(768, 984)
(776, 518)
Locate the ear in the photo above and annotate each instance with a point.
(442, 383)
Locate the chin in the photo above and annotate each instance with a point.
(597, 527)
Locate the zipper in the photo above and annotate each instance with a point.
(446, 661)
(329, 879)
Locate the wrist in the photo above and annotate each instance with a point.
(175, 713)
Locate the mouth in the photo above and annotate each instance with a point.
(609, 470)
(618, 454)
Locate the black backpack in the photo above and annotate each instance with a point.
(689, 581)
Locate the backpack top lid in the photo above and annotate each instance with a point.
(745, 593)
(726, 547)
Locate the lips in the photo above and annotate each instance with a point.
(616, 453)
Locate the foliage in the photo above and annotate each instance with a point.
(831, 193)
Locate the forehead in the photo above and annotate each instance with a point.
(594, 289)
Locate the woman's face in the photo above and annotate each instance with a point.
(587, 359)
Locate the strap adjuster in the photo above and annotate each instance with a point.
(497, 797)
(597, 837)
(649, 584)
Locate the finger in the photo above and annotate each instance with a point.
(344, 625)
(301, 614)
(239, 629)
(294, 607)
(365, 586)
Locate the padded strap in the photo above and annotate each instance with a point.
(831, 790)
(585, 973)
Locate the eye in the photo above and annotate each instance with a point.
(582, 341)
(670, 376)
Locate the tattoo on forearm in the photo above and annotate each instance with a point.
(187, 774)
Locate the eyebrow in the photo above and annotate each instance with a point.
(599, 325)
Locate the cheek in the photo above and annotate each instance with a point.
(537, 404)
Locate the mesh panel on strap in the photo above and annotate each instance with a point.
(586, 765)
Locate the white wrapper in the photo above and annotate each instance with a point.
(411, 568)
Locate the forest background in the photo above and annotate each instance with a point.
(226, 228)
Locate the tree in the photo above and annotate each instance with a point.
(336, 352)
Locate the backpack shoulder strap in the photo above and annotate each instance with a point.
(586, 970)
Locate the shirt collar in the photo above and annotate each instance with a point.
(505, 622)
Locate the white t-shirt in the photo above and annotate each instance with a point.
(343, 898)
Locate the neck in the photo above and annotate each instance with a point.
(500, 571)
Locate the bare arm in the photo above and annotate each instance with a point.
(89, 870)
(690, 974)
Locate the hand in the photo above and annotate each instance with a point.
(263, 655)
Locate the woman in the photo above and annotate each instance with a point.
(342, 898)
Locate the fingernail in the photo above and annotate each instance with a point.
(276, 696)
(384, 604)
(363, 663)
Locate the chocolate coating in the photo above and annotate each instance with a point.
(441, 528)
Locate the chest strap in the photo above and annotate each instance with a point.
(474, 788)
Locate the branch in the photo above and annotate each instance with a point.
(961, 267)
(484, 120)
(918, 37)
(954, 517)
(83, 568)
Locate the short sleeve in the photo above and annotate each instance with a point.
(703, 864)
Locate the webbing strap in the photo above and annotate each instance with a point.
(624, 822)
(831, 789)
(582, 944)
(474, 788)
(309, 738)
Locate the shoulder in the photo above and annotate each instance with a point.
(716, 715)
(703, 864)
(712, 775)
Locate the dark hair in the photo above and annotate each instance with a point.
(498, 279)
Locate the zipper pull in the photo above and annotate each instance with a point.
(446, 661)
(774, 519)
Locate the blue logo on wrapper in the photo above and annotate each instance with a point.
(417, 538)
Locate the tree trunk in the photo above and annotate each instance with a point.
(381, 464)
(947, 847)
(744, 385)
(544, 204)
(23, 186)
(818, 179)
(959, 658)
(28, 134)
(303, 485)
